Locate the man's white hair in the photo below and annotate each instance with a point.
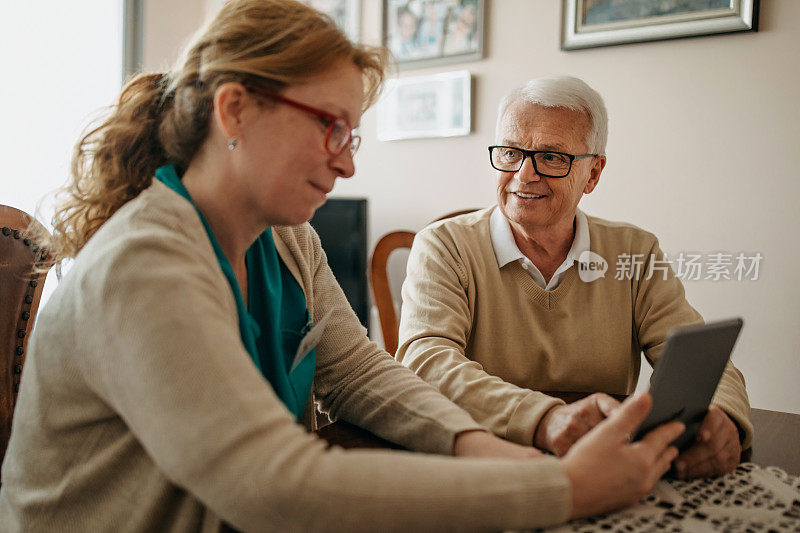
(563, 91)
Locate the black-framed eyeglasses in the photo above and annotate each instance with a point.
(339, 133)
(545, 163)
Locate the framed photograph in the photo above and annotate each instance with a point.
(592, 23)
(418, 107)
(431, 32)
(346, 14)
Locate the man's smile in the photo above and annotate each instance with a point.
(528, 196)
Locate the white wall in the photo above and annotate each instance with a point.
(60, 66)
(55, 78)
(703, 151)
(168, 26)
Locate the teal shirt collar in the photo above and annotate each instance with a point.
(277, 319)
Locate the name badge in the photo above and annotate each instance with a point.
(310, 340)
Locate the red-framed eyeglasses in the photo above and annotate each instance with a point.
(339, 134)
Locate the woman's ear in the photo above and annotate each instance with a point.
(230, 99)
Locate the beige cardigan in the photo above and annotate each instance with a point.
(490, 338)
(140, 409)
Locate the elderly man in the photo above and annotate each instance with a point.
(498, 306)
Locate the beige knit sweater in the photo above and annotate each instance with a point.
(490, 337)
(140, 410)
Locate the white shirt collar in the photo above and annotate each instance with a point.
(507, 251)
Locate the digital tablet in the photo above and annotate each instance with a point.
(687, 374)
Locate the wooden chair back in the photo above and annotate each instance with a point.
(379, 279)
(20, 292)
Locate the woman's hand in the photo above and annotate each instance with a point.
(607, 471)
(479, 443)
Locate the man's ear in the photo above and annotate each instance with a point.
(598, 164)
(229, 104)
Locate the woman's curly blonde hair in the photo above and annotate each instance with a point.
(163, 118)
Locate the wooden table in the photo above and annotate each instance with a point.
(776, 440)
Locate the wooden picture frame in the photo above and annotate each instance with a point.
(423, 33)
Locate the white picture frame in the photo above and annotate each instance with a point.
(589, 24)
(418, 107)
(346, 14)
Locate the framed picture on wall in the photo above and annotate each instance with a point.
(437, 105)
(430, 32)
(592, 23)
(346, 14)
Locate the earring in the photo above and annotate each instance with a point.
(233, 142)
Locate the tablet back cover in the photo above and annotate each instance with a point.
(687, 374)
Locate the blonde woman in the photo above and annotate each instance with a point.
(165, 388)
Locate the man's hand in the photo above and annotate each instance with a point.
(562, 426)
(479, 443)
(717, 450)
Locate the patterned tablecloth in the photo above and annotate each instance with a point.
(751, 498)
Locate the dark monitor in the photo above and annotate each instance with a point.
(342, 227)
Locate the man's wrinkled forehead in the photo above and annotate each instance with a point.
(520, 118)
